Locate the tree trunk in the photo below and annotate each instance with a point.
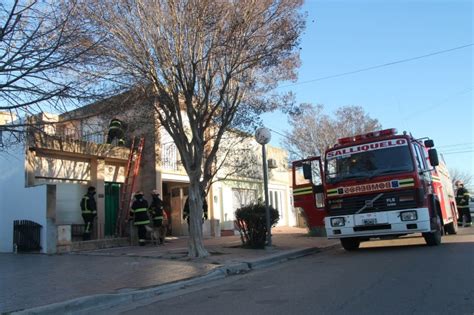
(195, 245)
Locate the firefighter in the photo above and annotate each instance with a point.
(89, 212)
(462, 202)
(116, 131)
(186, 210)
(139, 213)
(157, 214)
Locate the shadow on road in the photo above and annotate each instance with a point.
(408, 243)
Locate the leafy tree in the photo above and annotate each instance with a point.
(313, 131)
(206, 65)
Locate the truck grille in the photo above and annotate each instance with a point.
(394, 200)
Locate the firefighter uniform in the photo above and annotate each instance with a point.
(462, 202)
(156, 210)
(139, 212)
(186, 211)
(89, 212)
(116, 131)
(158, 216)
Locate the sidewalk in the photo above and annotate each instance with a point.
(83, 279)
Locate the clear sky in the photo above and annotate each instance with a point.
(432, 96)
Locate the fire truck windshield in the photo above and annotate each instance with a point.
(368, 160)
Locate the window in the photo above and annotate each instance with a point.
(175, 192)
(276, 202)
(243, 197)
(369, 163)
(420, 158)
(169, 153)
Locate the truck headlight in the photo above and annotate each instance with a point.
(338, 221)
(408, 215)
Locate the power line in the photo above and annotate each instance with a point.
(456, 145)
(279, 133)
(456, 149)
(458, 152)
(439, 52)
(415, 113)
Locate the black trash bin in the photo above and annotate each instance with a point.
(26, 236)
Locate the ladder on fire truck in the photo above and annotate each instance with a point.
(131, 173)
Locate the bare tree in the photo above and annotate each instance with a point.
(314, 131)
(457, 174)
(208, 65)
(39, 54)
(237, 157)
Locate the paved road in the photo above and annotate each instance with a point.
(390, 277)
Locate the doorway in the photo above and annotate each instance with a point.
(178, 198)
(112, 198)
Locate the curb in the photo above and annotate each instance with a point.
(102, 301)
(99, 302)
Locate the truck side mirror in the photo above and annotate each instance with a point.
(433, 155)
(429, 143)
(307, 171)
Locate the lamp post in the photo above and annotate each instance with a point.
(263, 136)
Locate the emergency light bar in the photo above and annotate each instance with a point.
(373, 134)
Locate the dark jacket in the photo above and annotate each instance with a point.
(462, 198)
(186, 209)
(156, 208)
(139, 211)
(88, 205)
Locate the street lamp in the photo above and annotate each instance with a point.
(263, 136)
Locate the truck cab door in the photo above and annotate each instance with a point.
(423, 170)
(313, 171)
(308, 192)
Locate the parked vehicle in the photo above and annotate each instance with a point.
(376, 185)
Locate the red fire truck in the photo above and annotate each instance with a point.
(376, 185)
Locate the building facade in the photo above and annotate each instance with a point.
(65, 156)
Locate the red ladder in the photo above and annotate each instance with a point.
(128, 187)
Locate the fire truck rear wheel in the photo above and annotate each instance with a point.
(350, 243)
(451, 228)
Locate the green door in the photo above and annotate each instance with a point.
(112, 197)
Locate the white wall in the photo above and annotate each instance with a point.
(68, 198)
(225, 203)
(16, 201)
(227, 221)
(279, 196)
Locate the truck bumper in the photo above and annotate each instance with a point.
(377, 224)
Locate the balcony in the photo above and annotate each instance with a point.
(169, 159)
(72, 141)
(98, 137)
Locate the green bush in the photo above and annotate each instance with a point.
(251, 222)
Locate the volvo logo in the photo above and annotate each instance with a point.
(369, 203)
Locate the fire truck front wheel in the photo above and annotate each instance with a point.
(434, 238)
(350, 243)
